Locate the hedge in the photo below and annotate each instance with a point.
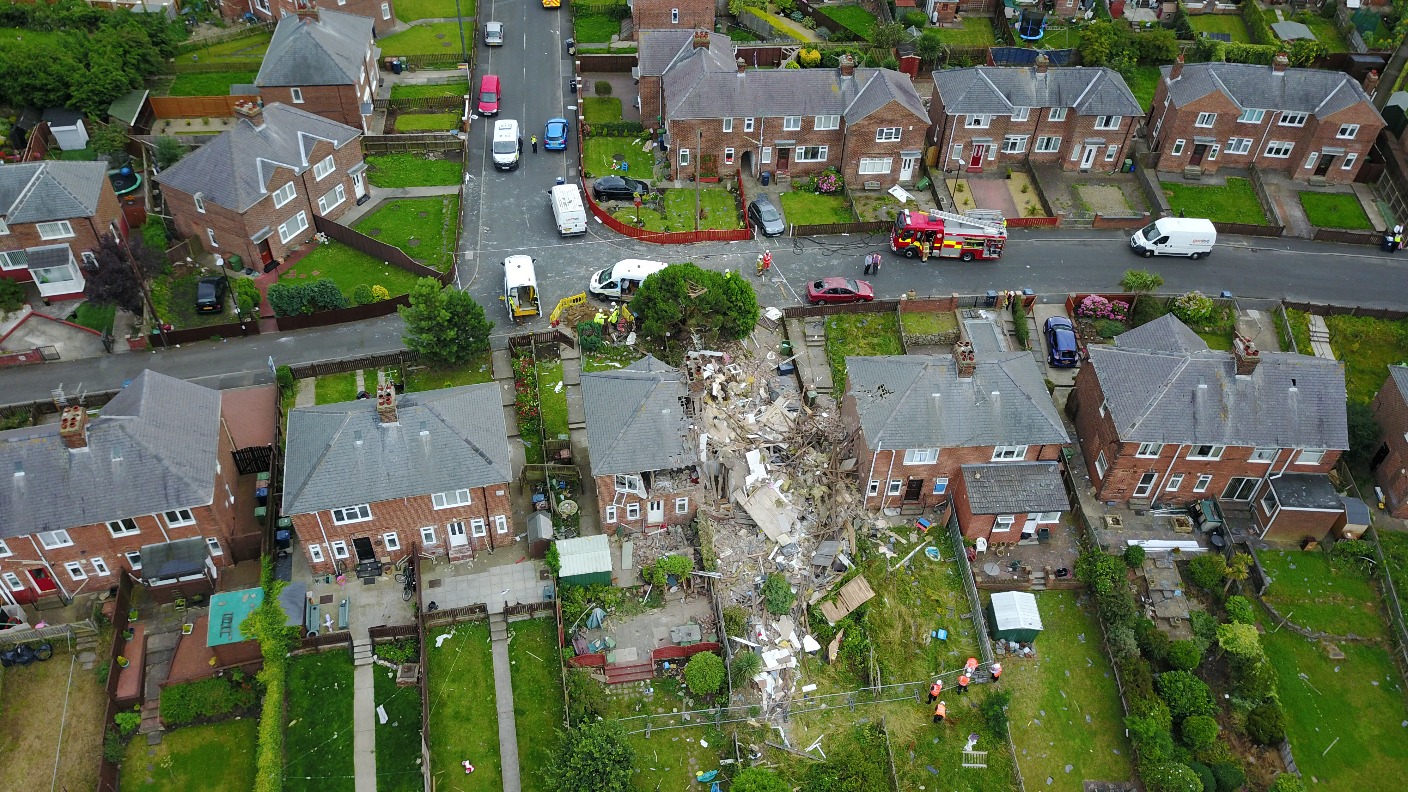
(276, 640)
(778, 28)
(615, 129)
(205, 699)
(1258, 29)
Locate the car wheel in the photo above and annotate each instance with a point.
(1148, 254)
(910, 252)
(814, 302)
(966, 256)
(1195, 256)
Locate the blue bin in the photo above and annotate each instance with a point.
(767, 178)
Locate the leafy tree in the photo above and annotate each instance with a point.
(1239, 610)
(1266, 723)
(11, 295)
(994, 710)
(759, 779)
(1184, 655)
(1103, 44)
(591, 757)
(1199, 731)
(1170, 777)
(1239, 567)
(1140, 283)
(684, 300)
(1287, 782)
(113, 279)
(1134, 556)
(1241, 644)
(1364, 433)
(1207, 571)
(444, 325)
(777, 594)
(1159, 45)
(169, 151)
(1185, 694)
(110, 140)
(704, 673)
(889, 36)
(586, 698)
(930, 45)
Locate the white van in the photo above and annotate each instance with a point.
(521, 288)
(1175, 236)
(507, 144)
(568, 211)
(621, 280)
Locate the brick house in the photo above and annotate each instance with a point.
(381, 12)
(1164, 420)
(254, 188)
(368, 482)
(672, 14)
(993, 116)
(322, 62)
(1390, 462)
(971, 434)
(638, 430)
(662, 49)
(51, 215)
(147, 485)
(867, 123)
(1302, 122)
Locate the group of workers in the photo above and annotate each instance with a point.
(964, 679)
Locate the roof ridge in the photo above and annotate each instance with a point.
(1158, 396)
(995, 89)
(27, 190)
(1002, 364)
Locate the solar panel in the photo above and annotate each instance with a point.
(1227, 37)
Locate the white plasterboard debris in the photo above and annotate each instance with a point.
(900, 194)
(757, 469)
(771, 510)
(773, 314)
(808, 688)
(381, 715)
(785, 625)
(809, 644)
(443, 637)
(745, 641)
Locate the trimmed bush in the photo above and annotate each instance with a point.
(1287, 783)
(1199, 731)
(1266, 723)
(1229, 776)
(704, 673)
(1169, 777)
(362, 294)
(1184, 655)
(1207, 572)
(1134, 556)
(602, 88)
(204, 699)
(777, 595)
(247, 295)
(1239, 610)
(1185, 694)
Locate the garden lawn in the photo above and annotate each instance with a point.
(596, 109)
(1326, 32)
(429, 90)
(553, 402)
(348, 267)
(181, 309)
(976, 32)
(463, 716)
(859, 334)
(336, 388)
(478, 370)
(537, 697)
(318, 739)
(428, 122)
(929, 322)
(411, 10)
(1368, 347)
(413, 170)
(599, 154)
(1234, 203)
(438, 38)
(1143, 81)
(1335, 210)
(718, 205)
(1083, 721)
(215, 757)
(1231, 24)
(37, 735)
(1312, 592)
(1300, 329)
(251, 47)
(857, 19)
(1219, 341)
(1395, 546)
(425, 228)
(668, 758)
(595, 28)
(1358, 700)
(610, 357)
(209, 83)
(94, 316)
(397, 740)
(800, 207)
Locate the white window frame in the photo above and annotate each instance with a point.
(1004, 523)
(1012, 453)
(681, 505)
(427, 535)
(1310, 160)
(632, 511)
(1213, 453)
(351, 514)
(339, 193)
(183, 517)
(875, 166)
(976, 121)
(210, 237)
(1112, 150)
(442, 500)
(1056, 114)
(213, 545)
(819, 153)
(339, 549)
(1020, 113)
(75, 571)
(1270, 504)
(296, 94)
(1203, 482)
(200, 202)
(684, 158)
(1293, 119)
(611, 514)
(500, 524)
(1310, 456)
(12, 260)
(315, 553)
(100, 567)
(941, 485)
(286, 230)
(5, 549)
(58, 229)
(1047, 144)
(921, 456)
(1251, 115)
(1177, 147)
(392, 540)
(1238, 145)
(1267, 455)
(1146, 484)
(1205, 120)
(1174, 483)
(127, 526)
(134, 559)
(1101, 465)
(53, 540)
(1046, 518)
(888, 134)
(748, 125)
(1015, 144)
(674, 16)
(478, 527)
(873, 488)
(767, 155)
(1279, 149)
(728, 125)
(729, 154)
(1349, 160)
(284, 194)
(385, 11)
(13, 581)
(1347, 131)
(1150, 450)
(324, 166)
(826, 123)
(791, 123)
(894, 488)
(1108, 122)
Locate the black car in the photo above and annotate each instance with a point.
(1062, 350)
(766, 217)
(210, 295)
(617, 188)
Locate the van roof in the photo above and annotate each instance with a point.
(636, 265)
(518, 271)
(1187, 223)
(505, 128)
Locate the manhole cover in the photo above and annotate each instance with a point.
(413, 242)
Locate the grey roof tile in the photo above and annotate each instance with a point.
(328, 51)
(997, 90)
(1399, 374)
(151, 449)
(1165, 334)
(918, 401)
(660, 48)
(234, 169)
(1015, 488)
(38, 192)
(443, 440)
(635, 419)
(1315, 91)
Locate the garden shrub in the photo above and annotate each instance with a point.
(1109, 328)
(810, 58)
(1205, 776)
(829, 182)
(915, 19)
(1357, 553)
(380, 293)
(11, 295)
(589, 336)
(1152, 641)
(1134, 556)
(1019, 324)
(247, 295)
(602, 88)
(1193, 307)
(1207, 571)
(114, 747)
(1153, 739)
(745, 666)
(1170, 777)
(1287, 782)
(362, 294)
(1266, 723)
(127, 721)
(154, 234)
(401, 650)
(1204, 626)
(777, 595)
(704, 673)
(1184, 655)
(1199, 731)
(735, 621)
(1096, 307)
(1122, 642)
(994, 710)
(1146, 310)
(1239, 610)
(1229, 775)
(1185, 694)
(677, 566)
(203, 699)
(323, 295)
(586, 698)
(288, 299)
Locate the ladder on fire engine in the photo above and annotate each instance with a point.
(986, 224)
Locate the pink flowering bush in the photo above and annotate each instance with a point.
(1096, 307)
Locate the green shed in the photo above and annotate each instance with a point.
(1012, 615)
(585, 561)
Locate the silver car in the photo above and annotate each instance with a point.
(494, 34)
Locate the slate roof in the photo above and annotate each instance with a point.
(443, 440)
(330, 50)
(127, 107)
(660, 48)
(918, 401)
(38, 192)
(1399, 375)
(1315, 91)
(150, 449)
(1015, 488)
(1306, 491)
(235, 168)
(1159, 390)
(998, 90)
(635, 420)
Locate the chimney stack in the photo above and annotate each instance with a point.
(1371, 82)
(1247, 355)
(701, 39)
(1042, 63)
(1280, 63)
(965, 358)
(386, 403)
(73, 428)
(307, 11)
(742, 66)
(848, 66)
(251, 112)
(1177, 68)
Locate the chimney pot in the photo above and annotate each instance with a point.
(966, 360)
(1247, 355)
(848, 66)
(1280, 63)
(254, 113)
(73, 428)
(1042, 63)
(307, 11)
(1177, 69)
(386, 403)
(701, 39)
(1371, 81)
(742, 66)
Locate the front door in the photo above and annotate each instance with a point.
(655, 512)
(363, 546)
(266, 255)
(907, 168)
(1088, 158)
(1379, 457)
(359, 185)
(913, 489)
(1199, 151)
(975, 160)
(1326, 160)
(457, 534)
(784, 158)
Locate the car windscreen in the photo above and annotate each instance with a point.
(205, 292)
(505, 146)
(489, 97)
(768, 212)
(1150, 232)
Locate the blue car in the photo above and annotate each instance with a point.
(1062, 351)
(555, 135)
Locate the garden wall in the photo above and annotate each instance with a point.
(668, 237)
(410, 144)
(1120, 221)
(606, 63)
(831, 229)
(377, 249)
(353, 313)
(1347, 237)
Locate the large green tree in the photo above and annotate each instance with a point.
(592, 757)
(444, 325)
(683, 301)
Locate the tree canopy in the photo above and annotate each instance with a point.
(112, 279)
(444, 325)
(592, 757)
(683, 301)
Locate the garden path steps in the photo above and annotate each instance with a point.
(503, 696)
(363, 714)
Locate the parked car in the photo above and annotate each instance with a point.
(766, 217)
(489, 95)
(617, 188)
(839, 290)
(494, 34)
(1061, 349)
(210, 295)
(555, 134)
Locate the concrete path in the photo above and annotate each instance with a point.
(503, 695)
(364, 726)
(307, 392)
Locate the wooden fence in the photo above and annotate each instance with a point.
(1120, 221)
(317, 643)
(669, 237)
(191, 335)
(377, 249)
(1325, 309)
(606, 63)
(831, 229)
(195, 106)
(439, 60)
(248, 31)
(1033, 222)
(342, 365)
(109, 775)
(411, 144)
(209, 67)
(423, 103)
(1248, 229)
(1348, 237)
(354, 313)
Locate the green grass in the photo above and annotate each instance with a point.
(741, 34)
(251, 47)
(1234, 203)
(440, 38)
(85, 154)
(718, 204)
(859, 334)
(596, 109)
(1395, 546)
(209, 83)
(976, 32)
(216, 757)
(429, 91)
(1358, 699)
(463, 716)
(595, 28)
(553, 404)
(412, 170)
(1143, 81)
(808, 208)
(857, 19)
(411, 10)
(1230, 24)
(318, 739)
(667, 759)
(348, 268)
(537, 697)
(1322, 596)
(599, 153)
(181, 311)
(1300, 329)
(1368, 347)
(336, 388)
(929, 322)
(1083, 724)
(427, 229)
(94, 316)
(1326, 32)
(1222, 341)
(428, 122)
(610, 357)
(397, 740)
(476, 371)
(1335, 210)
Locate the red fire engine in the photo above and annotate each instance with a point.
(979, 235)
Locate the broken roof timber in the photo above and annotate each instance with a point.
(851, 596)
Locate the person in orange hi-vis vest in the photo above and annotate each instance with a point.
(963, 683)
(971, 666)
(939, 712)
(935, 689)
(996, 671)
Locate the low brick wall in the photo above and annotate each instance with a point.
(1121, 221)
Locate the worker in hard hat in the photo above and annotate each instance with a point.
(963, 681)
(971, 666)
(935, 689)
(940, 712)
(996, 671)
(600, 317)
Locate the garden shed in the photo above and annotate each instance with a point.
(584, 561)
(1012, 615)
(539, 534)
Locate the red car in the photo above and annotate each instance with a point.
(839, 290)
